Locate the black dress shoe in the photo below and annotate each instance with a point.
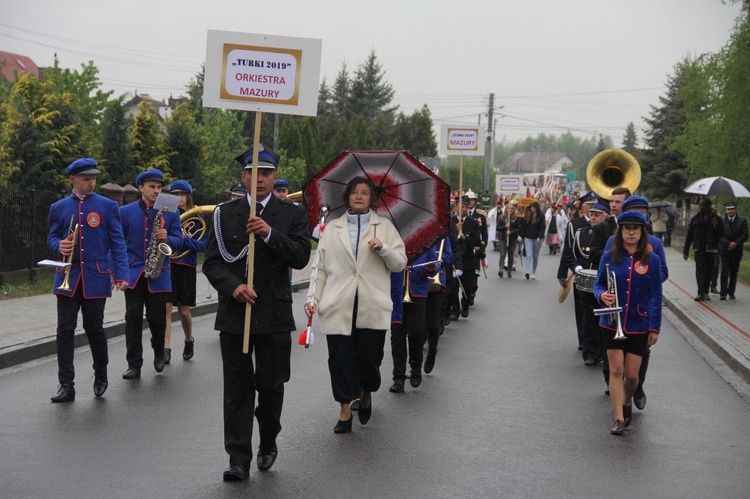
(167, 355)
(589, 362)
(66, 393)
(415, 378)
(365, 413)
(454, 317)
(236, 473)
(731, 297)
(446, 320)
(100, 384)
(132, 373)
(355, 405)
(706, 297)
(618, 428)
(266, 458)
(722, 297)
(639, 399)
(341, 427)
(700, 298)
(627, 414)
(429, 363)
(397, 387)
(464, 312)
(714, 290)
(187, 354)
(160, 360)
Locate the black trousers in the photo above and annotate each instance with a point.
(471, 285)
(578, 308)
(242, 379)
(704, 266)
(452, 305)
(730, 265)
(92, 311)
(433, 318)
(156, 314)
(592, 335)
(354, 362)
(413, 333)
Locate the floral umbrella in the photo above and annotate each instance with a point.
(415, 199)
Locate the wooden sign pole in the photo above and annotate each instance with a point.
(251, 239)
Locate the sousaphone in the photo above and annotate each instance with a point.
(610, 169)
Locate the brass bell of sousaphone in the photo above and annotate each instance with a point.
(194, 225)
(610, 169)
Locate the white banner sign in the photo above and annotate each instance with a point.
(461, 140)
(267, 73)
(509, 184)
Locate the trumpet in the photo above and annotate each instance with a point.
(613, 312)
(407, 296)
(65, 286)
(435, 284)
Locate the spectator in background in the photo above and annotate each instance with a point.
(736, 233)
(705, 230)
(659, 220)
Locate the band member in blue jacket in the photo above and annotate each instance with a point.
(413, 331)
(137, 226)
(637, 272)
(183, 270)
(640, 204)
(435, 297)
(89, 279)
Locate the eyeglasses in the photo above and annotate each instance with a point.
(631, 228)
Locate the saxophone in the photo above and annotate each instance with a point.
(156, 251)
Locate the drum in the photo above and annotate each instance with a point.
(585, 280)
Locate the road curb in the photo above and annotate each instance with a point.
(47, 346)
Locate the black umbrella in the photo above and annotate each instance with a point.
(659, 204)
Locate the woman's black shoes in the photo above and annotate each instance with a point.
(345, 426)
(364, 413)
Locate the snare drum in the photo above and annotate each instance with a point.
(585, 280)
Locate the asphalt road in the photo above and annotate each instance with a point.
(509, 411)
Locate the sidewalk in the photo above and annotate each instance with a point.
(28, 325)
(722, 327)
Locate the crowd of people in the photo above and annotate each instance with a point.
(611, 253)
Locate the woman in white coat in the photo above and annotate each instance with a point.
(358, 252)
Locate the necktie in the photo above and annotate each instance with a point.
(258, 209)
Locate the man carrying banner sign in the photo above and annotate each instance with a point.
(254, 72)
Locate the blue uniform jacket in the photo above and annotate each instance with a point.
(99, 254)
(446, 260)
(397, 297)
(655, 246)
(419, 277)
(638, 293)
(190, 259)
(136, 226)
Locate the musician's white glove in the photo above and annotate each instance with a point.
(578, 269)
(457, 273)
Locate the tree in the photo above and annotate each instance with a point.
(117, 153)
(370, 95)
(40, 134)
(341, 90)
(630, 140)
(664, 170)
(715, 136)
(90, 100)
(149, 147)
(185, 146)
(223, 140)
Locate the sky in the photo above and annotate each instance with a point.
(588, 66)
